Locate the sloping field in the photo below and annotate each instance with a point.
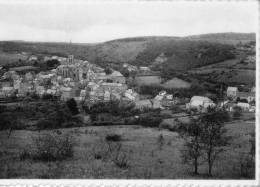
(176, 83)
(6, 58)
(144, 155)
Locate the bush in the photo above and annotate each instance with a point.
(50, 147)
(150, 121)
(45, 124)
(113, 137)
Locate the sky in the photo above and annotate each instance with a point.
(91, 22)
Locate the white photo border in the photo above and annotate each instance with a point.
(150, 182)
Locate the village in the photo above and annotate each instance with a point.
(88, 83)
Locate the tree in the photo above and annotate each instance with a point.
(237, 112)
(108, 70)
(160, 141)
(72, 105)
(193, 148)
(8, 122)
(212, 135)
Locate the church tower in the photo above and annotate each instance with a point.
(71, 59)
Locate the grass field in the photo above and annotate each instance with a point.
(6, 58)
(144, 157)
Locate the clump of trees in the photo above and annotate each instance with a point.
(49, 114)
(114, 108)
(205, 139)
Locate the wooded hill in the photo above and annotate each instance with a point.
(182, 52)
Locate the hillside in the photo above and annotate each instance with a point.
(138, 51)
(163, 53)
(225, 38)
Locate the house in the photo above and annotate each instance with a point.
(33, 58)
(167, 102)
(143, 104)
(117, 77)
(107, 96)
(129, 67)
(200, 103)
(66, 93)
(40, 90)
(232, 92)
(46, 58)
(113, 87)
(51, 91)
(17, 84)
(29, 76)
(8, 91)
(244, 106)
(144, 68)
(115, 96)
(131, 95)
(249, 96)
(25, 87)
(157, 104)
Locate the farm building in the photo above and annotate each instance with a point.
(244, 106)
(232, 91)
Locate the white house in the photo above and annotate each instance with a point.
(200, 103)
(144, 68)
(107, 96)
(244, 106)
(33, 57)
(232, 91)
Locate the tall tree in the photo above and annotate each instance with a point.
(72, 105)
(193, 149)
(213, 135)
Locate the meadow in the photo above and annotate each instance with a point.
(139, 153)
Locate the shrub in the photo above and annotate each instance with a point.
(51, 147)
(160, 141)
(45, 124)
(113, 137)
(150, 121)
(25, 154)
(118, 155)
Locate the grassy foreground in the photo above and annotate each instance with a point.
(144, 157)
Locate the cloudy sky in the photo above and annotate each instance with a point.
(105, 20)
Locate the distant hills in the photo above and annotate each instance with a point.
(226, 38)
(182, 53)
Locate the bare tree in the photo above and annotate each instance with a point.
(213, 135)
(193, 149)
